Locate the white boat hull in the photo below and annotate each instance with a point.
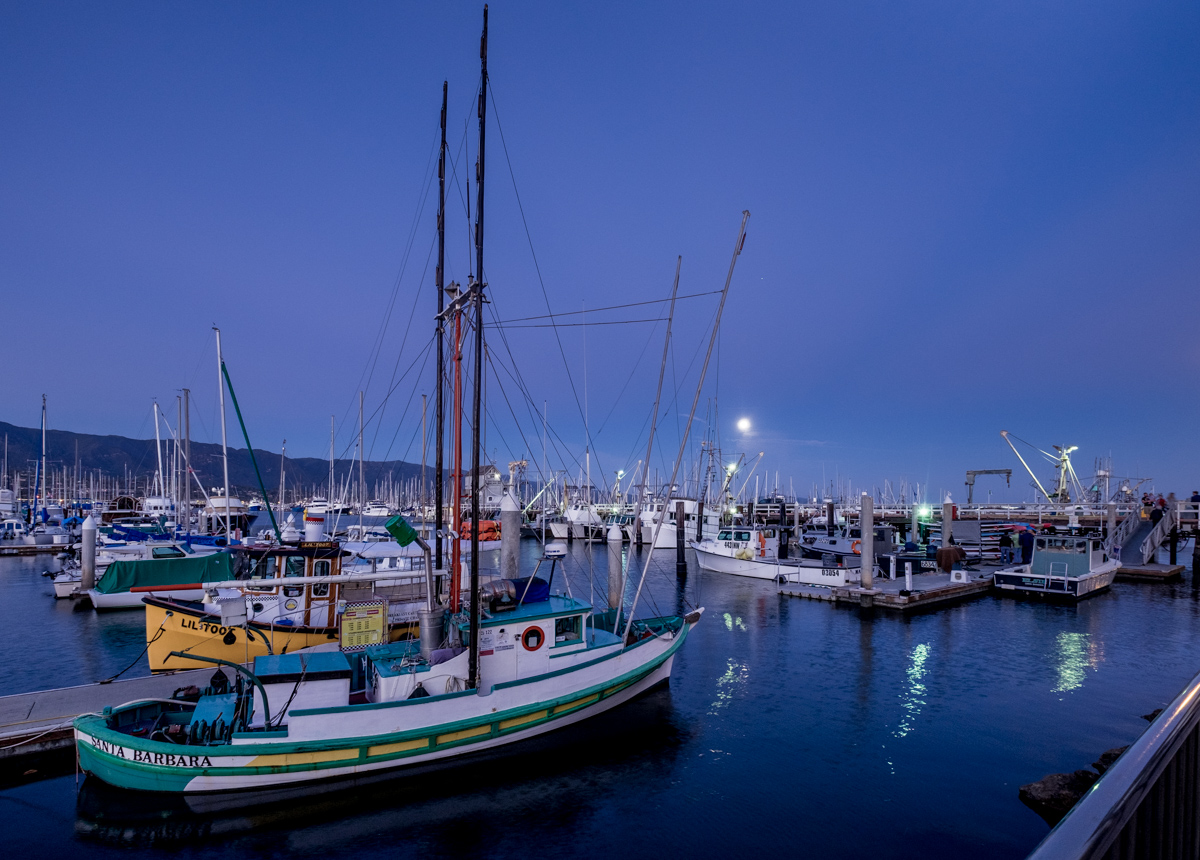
(133, 599)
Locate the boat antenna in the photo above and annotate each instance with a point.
(440, 330)
(473, 659)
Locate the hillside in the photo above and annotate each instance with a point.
(113, 455)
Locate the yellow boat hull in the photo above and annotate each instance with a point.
(171, 627)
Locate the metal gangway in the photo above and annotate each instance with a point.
(1135, 540)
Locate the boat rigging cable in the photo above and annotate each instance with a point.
(610, 308)
(541, 281)
(737, 252)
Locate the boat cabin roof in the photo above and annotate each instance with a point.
(308, 549)
(556, 606)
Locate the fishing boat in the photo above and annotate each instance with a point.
(745, 551)
(1068, 567)
(542, 663)
(278, 615)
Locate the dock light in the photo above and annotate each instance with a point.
(923, 511)
(743, 424)
(732, 467)
(733, 509)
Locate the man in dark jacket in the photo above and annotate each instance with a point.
(1006, 548)
(1026, 541)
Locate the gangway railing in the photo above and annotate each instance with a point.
(1159, 534)
(1124, 531)
(1145, 805)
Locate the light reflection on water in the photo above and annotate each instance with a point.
(914, 696)
(1075, 653)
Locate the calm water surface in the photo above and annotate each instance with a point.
(789, 727)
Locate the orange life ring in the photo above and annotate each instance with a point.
(533, 638)
(855, 547)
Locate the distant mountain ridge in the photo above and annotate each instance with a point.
(112, 455)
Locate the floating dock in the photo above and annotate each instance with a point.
(1150, 572)
(929, 590)
(33, 549)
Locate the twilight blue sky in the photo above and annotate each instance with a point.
(965, 218)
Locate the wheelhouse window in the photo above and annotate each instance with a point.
(569, 629)
(167, 552)
(264, 568)
(725, 535)
(294, 567)
(320, 568)
(741, 536)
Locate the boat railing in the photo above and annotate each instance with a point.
(1145, 803)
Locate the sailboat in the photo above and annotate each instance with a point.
(515, 662)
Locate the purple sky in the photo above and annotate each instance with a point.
(966, 218)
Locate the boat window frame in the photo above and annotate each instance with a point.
(562, 631)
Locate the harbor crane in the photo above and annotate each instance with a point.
(1064, 471)
(1007, 473)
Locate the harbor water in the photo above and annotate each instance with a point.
(790, 727)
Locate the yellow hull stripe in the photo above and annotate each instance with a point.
(578, 703)
(303, 758)
(402, 746)
(520, 721)
(451, 737)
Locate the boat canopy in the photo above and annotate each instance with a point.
(122, 576)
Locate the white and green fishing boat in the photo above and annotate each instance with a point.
(542, 664)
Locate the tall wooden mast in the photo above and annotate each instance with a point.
(473, 659)
(439, 280)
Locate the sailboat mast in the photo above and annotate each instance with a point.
(439, 280)
(362, 486)
(662, 369)
(329, 500)
(187, 460)
(43, 484)
(158, 450)
(224, 444)
(473, 659)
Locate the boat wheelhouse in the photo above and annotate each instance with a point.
(277, 616)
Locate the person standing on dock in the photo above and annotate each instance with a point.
(1026, 541)
(1006, 548)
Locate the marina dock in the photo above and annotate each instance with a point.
(35, 723)
(929, 590)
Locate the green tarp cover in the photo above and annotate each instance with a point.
(124, 575)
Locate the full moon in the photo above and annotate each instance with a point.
(743, 424)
